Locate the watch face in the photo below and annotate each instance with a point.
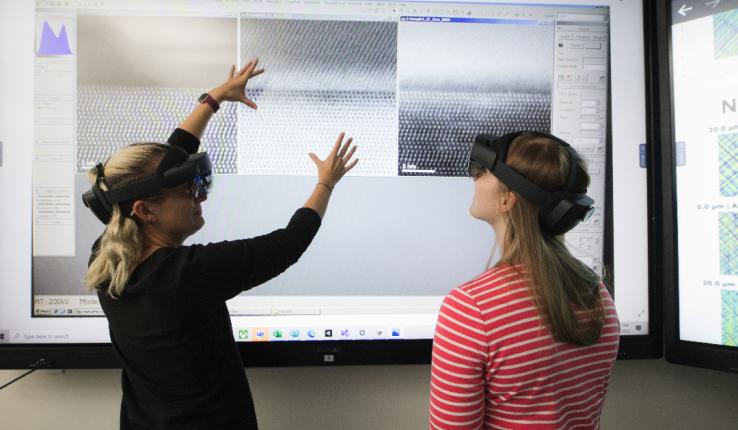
(202, 97)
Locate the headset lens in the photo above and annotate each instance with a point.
(588, 214)
(201, 186)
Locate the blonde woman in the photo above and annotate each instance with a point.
(530, 343)
(165, 302)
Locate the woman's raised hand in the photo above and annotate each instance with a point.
(234, 88)
(337, 163)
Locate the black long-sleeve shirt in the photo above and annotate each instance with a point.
(171, 329)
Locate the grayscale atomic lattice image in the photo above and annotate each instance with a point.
(110, 118)
(322, 78)
(138, 78)
(458, 79)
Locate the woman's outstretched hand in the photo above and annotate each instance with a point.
(234, 88)
(337, 163)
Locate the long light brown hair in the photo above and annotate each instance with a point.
(122, 244)
(565, 289)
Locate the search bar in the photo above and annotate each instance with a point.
(580, 17)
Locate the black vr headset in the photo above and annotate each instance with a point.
(558, 211)
(177, 167)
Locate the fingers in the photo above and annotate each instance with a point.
(248, 102)
(243, 68)
(339, 160)
(351, 165)
(249, 68)
(348, 164)
(350, 154)
(344, 147)
(334, 151)
(235, 87)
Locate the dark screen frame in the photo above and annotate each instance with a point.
(678, 351)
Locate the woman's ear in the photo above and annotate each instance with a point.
(143, 211)
(508, 201)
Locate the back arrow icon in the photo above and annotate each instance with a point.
(684, 9)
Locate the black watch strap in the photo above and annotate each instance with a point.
(207, 98)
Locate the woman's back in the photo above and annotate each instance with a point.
(174, 340)
(496, 365)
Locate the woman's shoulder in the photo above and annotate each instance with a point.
(214, 248)
(482, 296)
(175, 259)
(496, 281)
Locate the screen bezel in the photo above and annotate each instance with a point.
(677, 351)
(408, 351)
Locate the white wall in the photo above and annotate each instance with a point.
(645, 394)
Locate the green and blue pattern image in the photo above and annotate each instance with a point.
(728, 243)
(730, 317)
(728, 160)
(725, 29)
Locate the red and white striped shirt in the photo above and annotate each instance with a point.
(496, 365)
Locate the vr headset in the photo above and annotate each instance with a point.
(558, 211)
(176, 168)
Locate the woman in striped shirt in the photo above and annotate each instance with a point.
(530, 343)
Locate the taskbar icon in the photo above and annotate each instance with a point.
(263, 334)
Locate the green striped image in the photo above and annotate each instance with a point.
(728, 161)
(725, 29)
(730, 317)
(728, 243)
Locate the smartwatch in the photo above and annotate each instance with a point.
(206, 98)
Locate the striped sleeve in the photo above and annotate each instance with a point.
(460, 354)
(611, 329)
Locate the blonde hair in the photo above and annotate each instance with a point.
(565, 289)
(122, 243)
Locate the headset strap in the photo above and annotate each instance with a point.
(521, 185)
(138, 189)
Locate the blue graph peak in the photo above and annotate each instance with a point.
(51, 44)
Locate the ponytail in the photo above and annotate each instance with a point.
(566, 291)
(122, 243)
